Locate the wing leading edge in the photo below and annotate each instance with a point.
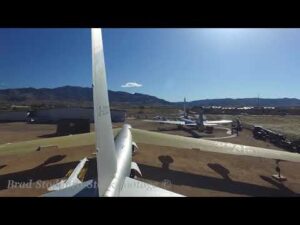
(218, 121)
(175, 122)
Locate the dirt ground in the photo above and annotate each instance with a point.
(196, 173)
(246, 138)
(288, 125)
(186, 171)
(18, 131)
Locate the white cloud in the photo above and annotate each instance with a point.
(131, 85)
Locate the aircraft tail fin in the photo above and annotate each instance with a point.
(200, 120)
(105, 146)
(184, 108)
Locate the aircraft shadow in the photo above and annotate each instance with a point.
(53, 159)
(46, 172)
(166, 160)
(212, 183)
(277, 184)
(165, 129)
(53, 135)
(224, 172)
(194, 134)
(49, 135)
(2, 166)
(42, 172)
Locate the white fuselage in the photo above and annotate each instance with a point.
(188, 121)
(123, 146)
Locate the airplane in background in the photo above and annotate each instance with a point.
(188, 114)
(115, 169)
(185, 120)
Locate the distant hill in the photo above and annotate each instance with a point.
(240, 102)
(69, 95)
(83, 96)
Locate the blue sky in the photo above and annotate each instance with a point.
(167, 63)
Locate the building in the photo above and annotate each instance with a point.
(56, 114)
(117, 115)
(13, 116)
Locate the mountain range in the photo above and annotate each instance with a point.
(78, 95)
(72, 95)
(241, 102)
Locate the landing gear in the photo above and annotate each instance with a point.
(133, 174)
(135, 171)
(135, 148)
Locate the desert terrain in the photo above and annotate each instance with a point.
(190, 172)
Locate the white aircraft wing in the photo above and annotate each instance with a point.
(72, 180)
(218, 121)
(175, 122)
(64, 184)
(84, 189)
(209, 124)
(191, 124)
(148, 137)
(135, 188)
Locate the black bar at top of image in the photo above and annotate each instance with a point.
(172, 15)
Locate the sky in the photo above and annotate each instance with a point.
(168, 63)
